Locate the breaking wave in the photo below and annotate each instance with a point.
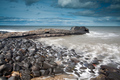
(102, 35)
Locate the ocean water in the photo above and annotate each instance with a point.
(103, 42)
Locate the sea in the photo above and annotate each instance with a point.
(103, 42)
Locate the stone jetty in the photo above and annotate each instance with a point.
(45, 33)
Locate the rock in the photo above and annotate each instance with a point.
(1, 56)
(44, 72)
(12, 78)
(58, 71)
(3, 78)
(53, 63)
(77, 74)
(95, 61)
(8, 56)
(81, 30)
(47, 65)
(24, 75)
(75, 60)
(35, 67)
(44, 33)
(108, 68)
(69, 69)
(2, 61)
(18, 58)
(86, 64)
(16, 67)
(2, 67)
(101, 77)
(83, 68)
(110, 72)
(36, 73)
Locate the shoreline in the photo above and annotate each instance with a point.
(30, 59)
(26, 59)
(45, 33)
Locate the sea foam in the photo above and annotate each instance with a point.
(101, 35)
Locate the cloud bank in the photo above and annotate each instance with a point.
(77, 4)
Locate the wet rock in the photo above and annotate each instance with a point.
(77, 73)
(85, 63)
(53, 64)
(95, 61)
(108, 68)
(47, 65)
(2, 67)
(69, 69)
(90, 66)
(2, 61)
(36, 73)
(82, 30)
(44, 72)
(16, 67)
(83, 68)
(24, 75)
(101, 77)
(18, 58)
(32, 49)
(35, 67)
(75, 60)
(3, 78)
(58, 70)
(1, 74)
(8, 56)
(12, 78)
(1, 56)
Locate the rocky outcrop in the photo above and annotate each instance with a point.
(79, 30)
(45, 33)
(108, 73)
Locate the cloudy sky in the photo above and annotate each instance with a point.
(60, 12)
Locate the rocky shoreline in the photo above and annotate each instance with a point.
(28, 59)
(45, 33)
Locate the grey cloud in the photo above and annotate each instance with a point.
(30, 2)
(114, 6)
(13, 0)
(93, 13)
(27, 2)
(107, 20)
(77, 3)
(84, 13)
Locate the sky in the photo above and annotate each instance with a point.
(60, 12)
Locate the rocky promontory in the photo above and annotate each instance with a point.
(45, 33)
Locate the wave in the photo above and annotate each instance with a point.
(109, 54)
(102, 35)
(99, 50)
(10, 30)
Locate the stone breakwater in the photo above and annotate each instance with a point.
(24, 59)
(44, 33)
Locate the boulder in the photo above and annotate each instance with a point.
(78, 30)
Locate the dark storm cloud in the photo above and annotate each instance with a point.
(92, 8)
(13, 0)
(30, 2)
(27, 2)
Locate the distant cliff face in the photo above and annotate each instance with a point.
(46, 33)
